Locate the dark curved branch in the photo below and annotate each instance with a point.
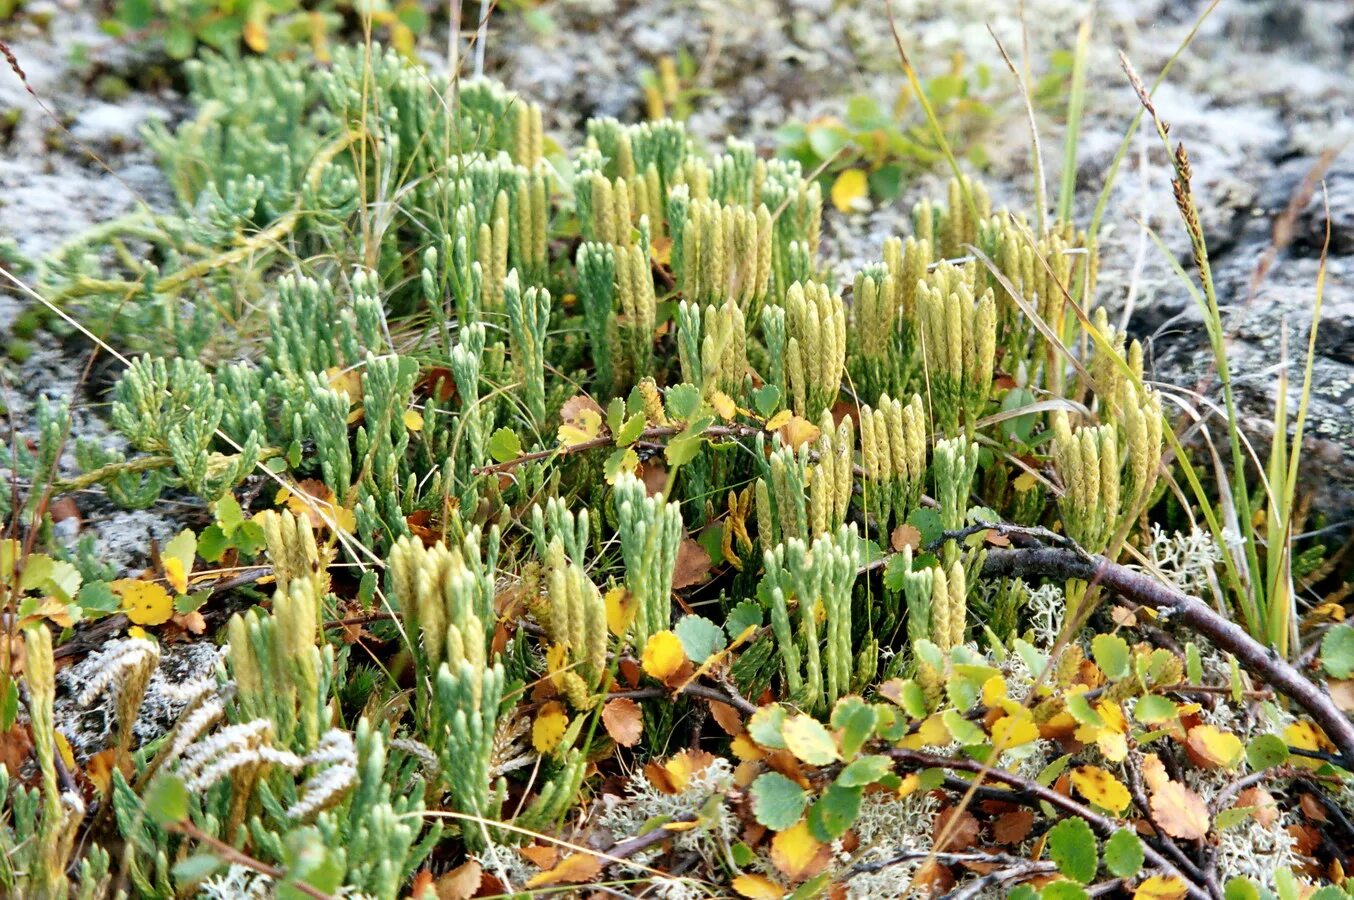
(1264, 662)
(1103, 825)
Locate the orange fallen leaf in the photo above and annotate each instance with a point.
(577, 868)
(1180, 812)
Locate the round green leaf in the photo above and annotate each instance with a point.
(777, 802)
(1123, 854)
(1111, 655)
(1072, 847)
(700, 637)
(1266, 751)
(866, 770)
(504, 445)
(835, 812)
(1337, 651)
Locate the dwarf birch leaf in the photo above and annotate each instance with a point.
(1180, 812)
(767, 726)
(777, 802)
(505, 445)
(663, 655)
(834, 812)
(756, 887)
(1101, 788)
(1111, 655)
(700, 637)
(1072, 847)
(167, 800)
(865, 771)
(1266, 751)
(809, 741)
(1123, 853)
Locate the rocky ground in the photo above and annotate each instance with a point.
(1264, 100)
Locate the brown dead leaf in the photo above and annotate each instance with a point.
(904, 536)
(1013, 827)
(15, 746)
(192, 622)
(630, 672)
(1265, 809)
(65, 508)
(1123, 617)
(1312, 808)
(933, 879)
(654, 474)
(1306, 839)
(542, 856)
(693, 565)
(438, 383)
(623, 721)
(1342, 692)
(996, 538)
(461, 883)
(421, 888)
(957, 828)
(727, 718)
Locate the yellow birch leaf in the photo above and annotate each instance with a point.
(798, 431)
(255, 34)
(620, 610)
(549, 727)
(55, 611)
(175, 575)
(663, 655)
(757, 887)
(850, 187)
(745, 748)
(1101, 788)
(413, 420)
(794, 850)
(556, 661)
(1161, 887)
(1013, 731)
(724, 405)
(1306, 736)
(779, 419)
(576, 868)
(1213, 748)
(583, 425)
(144, 602)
